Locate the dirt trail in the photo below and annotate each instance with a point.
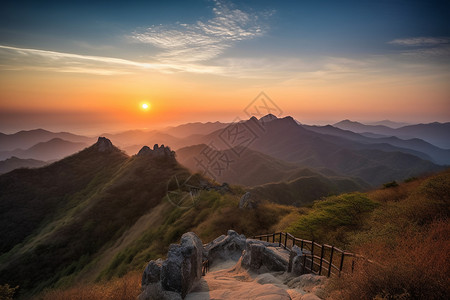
(228, 280)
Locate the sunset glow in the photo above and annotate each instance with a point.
(207, 60)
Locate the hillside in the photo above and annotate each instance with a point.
(57, 218)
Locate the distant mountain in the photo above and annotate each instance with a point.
(419, 147)
(388, 123)
(17, 163)
(284, 139)
(26, 139)
(53, 149)
(188, 129)
(253, 168)
(435, 133)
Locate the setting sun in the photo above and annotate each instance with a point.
(145, 106)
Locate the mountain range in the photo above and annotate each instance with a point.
(270, 146)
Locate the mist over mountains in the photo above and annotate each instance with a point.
(94, 213)
(373, 154)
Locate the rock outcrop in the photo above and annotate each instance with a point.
(262, 257)
(297, 258)
(158, 151)
(104, 145)
(182, 268)
(226, 247)
(246, 201)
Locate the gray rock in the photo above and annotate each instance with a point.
(183, 266)
(225, 247)
(296, 260)
(152, 272)
(245, 201)
(263, 257)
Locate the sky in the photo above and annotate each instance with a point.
(89, 66)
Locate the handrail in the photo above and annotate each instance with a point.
(317, 263)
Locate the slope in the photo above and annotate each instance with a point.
(55, 219)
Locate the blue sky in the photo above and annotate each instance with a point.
(293, 49)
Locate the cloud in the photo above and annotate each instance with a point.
(202, 41)
(13, 58)
(421, 41)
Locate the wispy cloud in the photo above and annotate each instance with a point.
(14, 58)
(202, 40)
(421, 41)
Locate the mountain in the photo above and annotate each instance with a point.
(55, 219)
(265, 173)
(435, 133)
(419, 147)
(50, 150)
(16, 163)
(188, 129)
(27, 138)
(285, 140)
(388, 123)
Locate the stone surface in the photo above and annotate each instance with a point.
(245, 201)
(157, 151)
(104, 145)
(296, 261)
(183, 266)
(226, 247)
(264, 257)
(152, 272)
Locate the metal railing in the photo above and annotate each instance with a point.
(205, 267)
(323, 259)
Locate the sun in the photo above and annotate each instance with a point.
(145, 106)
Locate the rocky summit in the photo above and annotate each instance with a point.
(158, 151)
(104, 145)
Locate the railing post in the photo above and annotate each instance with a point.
(273, 238)
(321, 260)
(285, 240)
(312, 256)
(279, 242)
(301, 245)
(331, 260)
(341, 266)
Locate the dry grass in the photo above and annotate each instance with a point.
(125, 288)
(416, 267)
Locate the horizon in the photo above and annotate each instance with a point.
(153, 65)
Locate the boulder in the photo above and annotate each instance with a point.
(152, 272)
(183, 266)
(179, 272)
(246, 202)
(296, 261)
(261, 257)
(157, 151)
(225, 247)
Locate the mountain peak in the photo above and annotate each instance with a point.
(268, 118)
(158, 151)
(104, 145)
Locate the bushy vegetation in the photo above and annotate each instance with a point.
(408, 239)
(333, 219)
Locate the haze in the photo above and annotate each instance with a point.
(88, 67)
